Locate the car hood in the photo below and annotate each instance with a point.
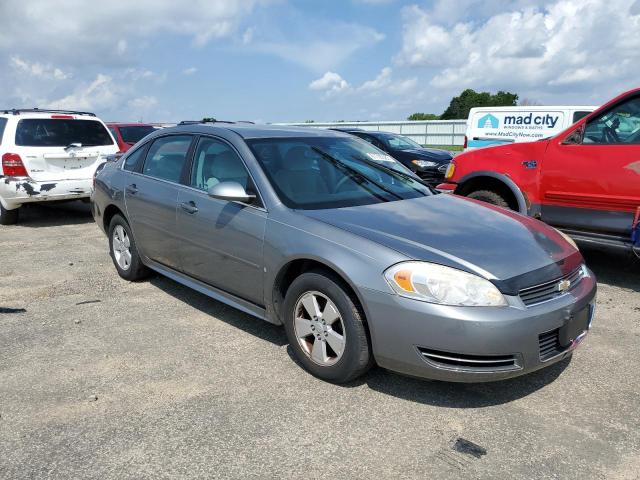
(512, 250)
(428, 154)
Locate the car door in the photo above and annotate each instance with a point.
(151, 194)
(221, 242)
(591, 178)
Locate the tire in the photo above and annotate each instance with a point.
(489, 196)
(8, 217)
(119, 244)
(338, 367)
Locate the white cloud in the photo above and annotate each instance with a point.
(189, 71)
(581, 45)
(121, 46)
(143, 103)
(101, 93)
(319, 45)
(333, 84)
(382, 80)
(37, 69)
(247, 36)
(76, 30)
(330, 83)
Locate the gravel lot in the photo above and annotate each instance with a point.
(100, 378)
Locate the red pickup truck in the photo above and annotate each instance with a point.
(585, 180)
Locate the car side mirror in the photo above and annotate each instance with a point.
(231, 192)
(575, 137)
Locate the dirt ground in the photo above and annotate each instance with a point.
(100, 378)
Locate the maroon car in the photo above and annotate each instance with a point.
(128, 134)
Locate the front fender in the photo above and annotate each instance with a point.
(510, 184)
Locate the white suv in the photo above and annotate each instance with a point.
(49, 155)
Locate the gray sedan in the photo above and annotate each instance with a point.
(359, 260)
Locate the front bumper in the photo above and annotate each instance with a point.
(15, 191)
(432, 176)
(446, 187)
(420, 339)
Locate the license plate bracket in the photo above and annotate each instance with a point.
(578, 323)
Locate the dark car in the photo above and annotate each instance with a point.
(127, 135)
(359, 260)
(430, 164)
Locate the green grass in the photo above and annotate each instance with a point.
(451, 148)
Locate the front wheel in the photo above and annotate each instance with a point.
(8, 217)
(325, 327)
(124, 252)
(489, 196)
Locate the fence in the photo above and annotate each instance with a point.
(427, 132)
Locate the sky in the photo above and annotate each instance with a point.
(322, 60)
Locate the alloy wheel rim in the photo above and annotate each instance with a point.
(121, 247)
(319, 328)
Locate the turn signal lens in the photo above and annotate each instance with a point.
(403, 280)
(451, 169)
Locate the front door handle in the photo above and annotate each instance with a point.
(132, 189)
(189, 207)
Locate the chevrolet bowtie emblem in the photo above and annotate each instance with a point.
(563, 285)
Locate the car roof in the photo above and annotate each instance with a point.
(375, 133)
(252, 131)
(41, 112)
(132, 124)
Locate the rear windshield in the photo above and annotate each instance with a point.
(3, 123)
(136, 133)
(49, 132)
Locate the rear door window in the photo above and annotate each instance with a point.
(50, 132)
(3, 123)
(166, 157)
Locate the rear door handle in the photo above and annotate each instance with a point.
(132, 189)
(189, 207)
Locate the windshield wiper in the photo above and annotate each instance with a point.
(355, 173)
(392, 171)
(73, 145)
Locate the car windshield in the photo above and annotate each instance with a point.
(398, 142)
(48, 132)
(332, 172)
(134, 134)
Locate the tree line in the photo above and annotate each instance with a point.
(459, 106)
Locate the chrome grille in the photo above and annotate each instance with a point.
(469, 362)
(549, 290)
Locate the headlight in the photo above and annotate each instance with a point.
(434, 283)
(568, 239)
(424, 163)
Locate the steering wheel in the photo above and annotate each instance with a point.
(609, 135)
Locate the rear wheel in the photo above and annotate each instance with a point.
(325, 328)
(8, 217)
(124, 253)
(489, 196)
